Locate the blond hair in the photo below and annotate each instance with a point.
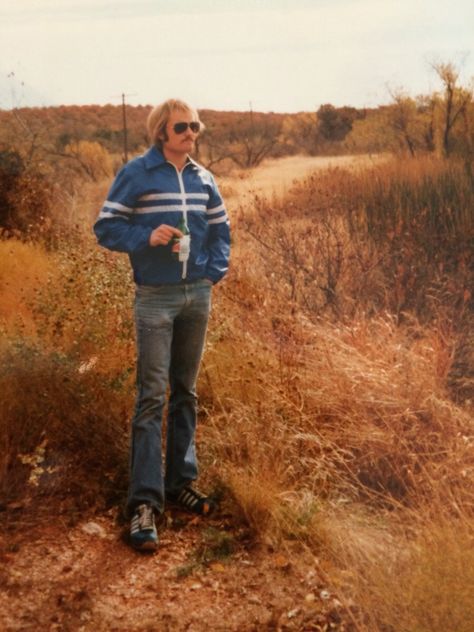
(160, 115)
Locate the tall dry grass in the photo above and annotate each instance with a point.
(342, 395)
(397, 236)
(416, 578)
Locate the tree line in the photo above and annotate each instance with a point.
(66, 145)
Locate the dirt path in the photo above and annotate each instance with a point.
(274, 177)
(206, 576)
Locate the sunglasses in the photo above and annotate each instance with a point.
(180, 128)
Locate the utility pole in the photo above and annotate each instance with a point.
(124, 118)
(124, 126)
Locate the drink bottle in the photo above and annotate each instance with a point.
(180, 245)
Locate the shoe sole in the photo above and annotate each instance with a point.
(145, 546)
(190, 512)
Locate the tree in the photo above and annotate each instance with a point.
(335, 123)
(245, 139)
(253, 139)
(91, 158)
(374, 133)
(404, 119)
(456, 101)
(426, 107)
(300, 131)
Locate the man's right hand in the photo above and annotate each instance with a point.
(162, 235)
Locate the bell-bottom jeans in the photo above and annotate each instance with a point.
(171, 323)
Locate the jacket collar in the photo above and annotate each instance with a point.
(154, 158)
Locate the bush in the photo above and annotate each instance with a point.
(396, 238)
(25, 198)
(67, 384)
(68, 414)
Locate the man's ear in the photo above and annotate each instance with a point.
(163, 136)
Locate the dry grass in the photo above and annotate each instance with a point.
(341, 390)
(359, 410)
(417, 580)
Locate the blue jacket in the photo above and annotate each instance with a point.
(149, 191)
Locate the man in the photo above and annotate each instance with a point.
(166, 212)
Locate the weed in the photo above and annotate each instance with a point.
(216, 545)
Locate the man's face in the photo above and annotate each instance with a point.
(180, 143)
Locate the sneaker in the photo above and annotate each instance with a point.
(143, 535)
(192, 500)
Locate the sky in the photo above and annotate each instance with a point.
(265, 55)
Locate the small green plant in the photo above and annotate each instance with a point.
(216, 545)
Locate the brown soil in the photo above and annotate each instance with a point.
(206, 575)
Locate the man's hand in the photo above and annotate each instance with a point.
(162, 235)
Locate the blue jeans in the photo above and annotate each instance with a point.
(171, 323)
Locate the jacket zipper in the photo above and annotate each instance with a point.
(185, 210)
